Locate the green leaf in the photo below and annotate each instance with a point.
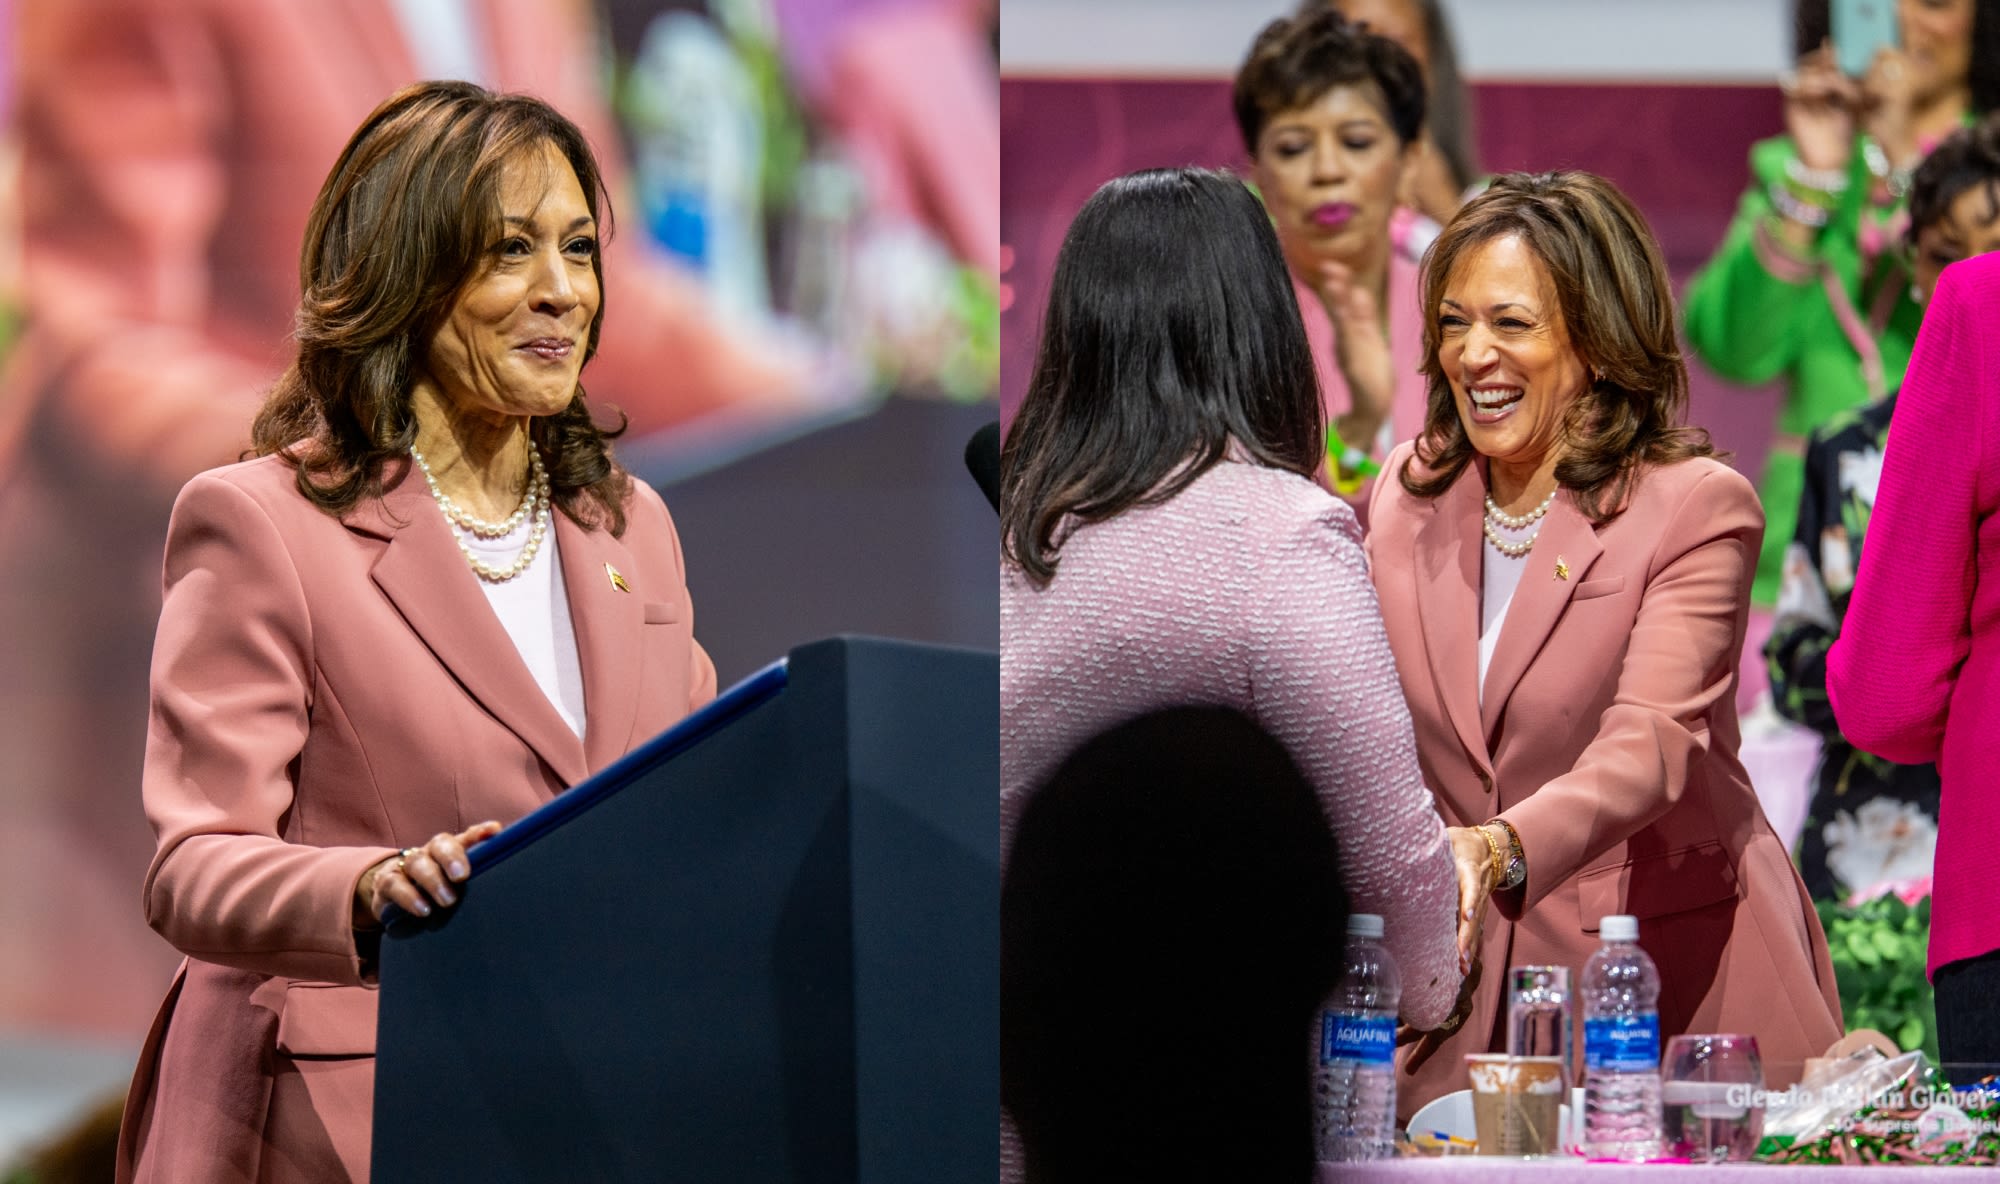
(1889, 944)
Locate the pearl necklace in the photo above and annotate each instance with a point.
(534, 504)
(1500, 517)
(1496, 518)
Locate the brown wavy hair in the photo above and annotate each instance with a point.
(401, 225)
(1617, 306)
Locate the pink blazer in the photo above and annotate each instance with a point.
(1608, 737)
(325, 692)
(1915, 675)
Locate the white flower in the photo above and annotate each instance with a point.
(1885, 841)
(1861, 473)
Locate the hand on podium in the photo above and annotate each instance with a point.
(414, 877)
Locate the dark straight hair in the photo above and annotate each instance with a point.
(1171, 330)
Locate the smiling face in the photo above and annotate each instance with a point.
(513, 342)
(1506, 352)
(1969, 226)
(1937, 34)
(1329, 173)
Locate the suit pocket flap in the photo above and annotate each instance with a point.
(327, 1021)
(1590, 589)
(1656, 885)
(662, 612)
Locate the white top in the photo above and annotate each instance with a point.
(534, 609)
(1500, 574)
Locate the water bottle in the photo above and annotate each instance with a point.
(1354, 1080)
(1621, 1047)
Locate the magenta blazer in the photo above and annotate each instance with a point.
(327, 691)
(1607, 736)
(1915, 675)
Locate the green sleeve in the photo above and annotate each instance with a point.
(1742, 320)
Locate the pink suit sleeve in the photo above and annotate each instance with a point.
(232, 679)
(1908, 629)
(1324, 683)
(1680, 663)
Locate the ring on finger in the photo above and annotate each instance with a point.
(406, 855)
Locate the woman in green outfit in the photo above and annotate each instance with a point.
(1810, 283)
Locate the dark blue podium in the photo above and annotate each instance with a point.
(762, 947)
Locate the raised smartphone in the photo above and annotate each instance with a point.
(1860, 27)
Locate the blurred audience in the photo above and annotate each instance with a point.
(912, 88)
(1808, 284)
(1872, 824)
(1447, 167)
(1172, 913)
(1332, 117)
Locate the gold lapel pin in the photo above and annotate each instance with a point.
(1562, 568)
(617, 581)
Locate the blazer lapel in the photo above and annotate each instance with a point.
(1564, 550)
(1447, 575)
(610, 623)
(425, 577)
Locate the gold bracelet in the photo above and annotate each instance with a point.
(1498, 864)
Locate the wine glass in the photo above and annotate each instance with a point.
(1711, 1092)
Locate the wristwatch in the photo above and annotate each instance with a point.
(1516, 870)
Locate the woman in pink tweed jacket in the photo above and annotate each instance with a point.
(1164, 543)
(1915, 675)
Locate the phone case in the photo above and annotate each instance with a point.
(1860, 27)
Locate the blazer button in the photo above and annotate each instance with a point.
(1485, 781)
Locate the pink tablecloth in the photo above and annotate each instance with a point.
(1475, 1169)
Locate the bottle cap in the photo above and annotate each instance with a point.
(1366, 925)
(1619, 928)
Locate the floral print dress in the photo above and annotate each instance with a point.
(1871, 826)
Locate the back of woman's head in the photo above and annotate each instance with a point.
(1171, 330)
